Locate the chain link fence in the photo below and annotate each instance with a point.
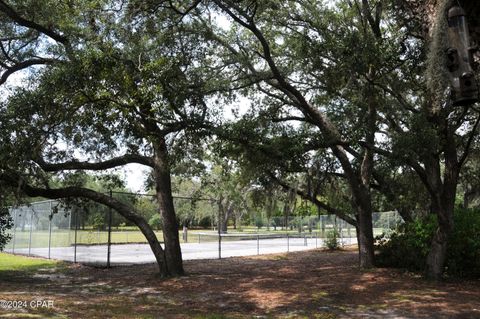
(93, 234)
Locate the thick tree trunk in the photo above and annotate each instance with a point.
(365, 234)
(164, 197)
(443, 195)
(445, 206)
(365, 242)
(229, 214)
(157, 250)
(224, 224)
(438, 251)
(287, 208)
(437, 255)
(364, 201)
(361, 203)
(223, 215)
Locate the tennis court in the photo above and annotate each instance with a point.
(140, 253)
(48, 229)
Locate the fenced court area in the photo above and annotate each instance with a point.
(49, 229)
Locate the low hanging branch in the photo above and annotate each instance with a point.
(125, 210)
(112, 163)
(314, 200)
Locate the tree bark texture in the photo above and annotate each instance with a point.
(443, 191)
(364, 227)
(163, 187)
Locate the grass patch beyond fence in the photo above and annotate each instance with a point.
(15, 263)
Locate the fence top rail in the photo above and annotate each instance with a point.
(255, 235)
(29, 205)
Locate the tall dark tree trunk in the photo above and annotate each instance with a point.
(443, 193)
(365, 232)
(364, 195)
(224, 224)
(365, 238)
(223, 214)
(360, 184)
(438, 250)
(361, 203)
(437, 255)
(163, 187)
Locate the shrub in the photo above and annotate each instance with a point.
(156, 222)
(464, 246)
(332, 239)
(5, 224)
(409, 245)
(205, 222)
(259, 222)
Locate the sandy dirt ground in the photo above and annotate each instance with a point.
(310, 284)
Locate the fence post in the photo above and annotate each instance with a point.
(185, 234)
(305, 240)
(50, 217)
(199, 238)
(316, 240)
(288, 243)
(341, 225)
(69, 226)
(15, 221)
(323, 226)
(109, 244)
(31, 230)
(219, 245)
(219, 226)
(75, 238)
(258, 244)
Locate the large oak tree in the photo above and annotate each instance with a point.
(118, 88)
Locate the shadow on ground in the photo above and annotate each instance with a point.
(313, 284)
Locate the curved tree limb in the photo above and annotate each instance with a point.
(112, 163)
(21, 66)
(123, 209)
(314, 200)
(16, 17)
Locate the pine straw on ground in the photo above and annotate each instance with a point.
(310, 284)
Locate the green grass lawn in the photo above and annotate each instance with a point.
(15, 263)
(65, 238)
